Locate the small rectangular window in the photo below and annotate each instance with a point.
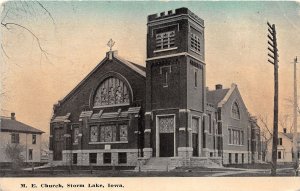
(94, 134)
(195, 42)
(279, 155)
(15, 138)
(30, 154)
(236, 158)
(165, 40)
(242, 137)
(229, 158)
(229, 136)
(165, 71)
(76, 133)
(243, 158)
(280, 141)
(123, 133)
(107, 158)
(209, 124)
(74, 158)
(196, 77)
(122, 158)
(33, 139)
(93, 158)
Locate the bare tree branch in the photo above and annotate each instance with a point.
(4, 51)
(19, 7)
(50, 15)
(264, 122)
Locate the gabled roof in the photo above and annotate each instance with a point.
(135, 67)
(290, 135)
(9, 125)
(215, 96)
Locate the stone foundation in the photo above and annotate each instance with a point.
(247, 157)
(147, 152)
(206, 162)
(83, 157)
(50, 156)
(176, 161)
(185, 153)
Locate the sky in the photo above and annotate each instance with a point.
(62, 41)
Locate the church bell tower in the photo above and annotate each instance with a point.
(175, 84)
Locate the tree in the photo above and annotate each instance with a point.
(14, 153)
(286, 122)
(265, 133)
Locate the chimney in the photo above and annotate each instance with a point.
(13, 116)
(219, 87)
(111, 54)
(284, 130)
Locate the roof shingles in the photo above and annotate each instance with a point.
(215, 96)
(16, 126)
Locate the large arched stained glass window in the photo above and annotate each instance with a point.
(112, 91)
(235, 111)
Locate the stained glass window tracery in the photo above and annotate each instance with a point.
(112, 91)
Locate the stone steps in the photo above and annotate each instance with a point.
(157, 164)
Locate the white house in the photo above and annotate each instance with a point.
(15, 132)
(284, 147)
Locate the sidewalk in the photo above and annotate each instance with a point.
(38, 167)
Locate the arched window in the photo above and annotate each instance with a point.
(235, 111)
(112, 91)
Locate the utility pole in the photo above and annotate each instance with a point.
(274, 60)
(295, 137)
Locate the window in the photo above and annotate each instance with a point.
(109, 133)
(229, 158)
(15, 138)
(279, 141)
(229, 136)
(76, 133)
(30, 154)
(236, 137)
(94, 134)
(209, 124)
(236, 158)
(235, 112)
(93, 158)
(33, 139)
(242, 137)
(74, 158)
(279, 155)
(107, 158)
(243, 155)
(165, 40)
(122, 157)
(195, 42)
(195, 125)
(112, 91)
(123, 133)
(164, 71)
(196, 77)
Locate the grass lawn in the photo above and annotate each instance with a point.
(107, 171)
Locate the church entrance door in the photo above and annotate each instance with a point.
(166, 126)
(166, 144)
(58, 144)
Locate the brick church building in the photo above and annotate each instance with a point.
(123, 112)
